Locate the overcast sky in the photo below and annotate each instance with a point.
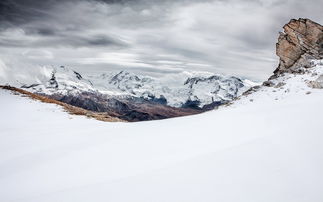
(233, 37)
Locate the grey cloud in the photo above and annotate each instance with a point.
(16, 12)
(81, 41)
(21, 11)
(43, 31)
(66, 41)
(102, 40)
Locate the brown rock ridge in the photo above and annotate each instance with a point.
(68, 108)
(301, 41)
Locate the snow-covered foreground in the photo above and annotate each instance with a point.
(265, 147)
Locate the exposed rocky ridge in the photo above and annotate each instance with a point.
(71, 109)
(301, 41)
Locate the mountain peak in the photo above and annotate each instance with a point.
(124, 75)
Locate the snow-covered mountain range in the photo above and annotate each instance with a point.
(132, 97)
(201, 88)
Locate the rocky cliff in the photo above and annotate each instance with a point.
(301, 41)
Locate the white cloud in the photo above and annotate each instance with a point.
(37, 54)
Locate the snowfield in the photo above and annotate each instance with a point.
(267, 146)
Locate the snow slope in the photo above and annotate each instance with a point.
(267, 146)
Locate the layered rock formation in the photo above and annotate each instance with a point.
(301, 41)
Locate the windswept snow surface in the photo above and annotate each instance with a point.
(265, 147)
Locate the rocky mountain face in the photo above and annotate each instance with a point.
(301, 41)
(300, 50)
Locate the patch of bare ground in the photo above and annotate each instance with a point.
(68, 108)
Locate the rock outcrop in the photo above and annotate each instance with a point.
(301, 41)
